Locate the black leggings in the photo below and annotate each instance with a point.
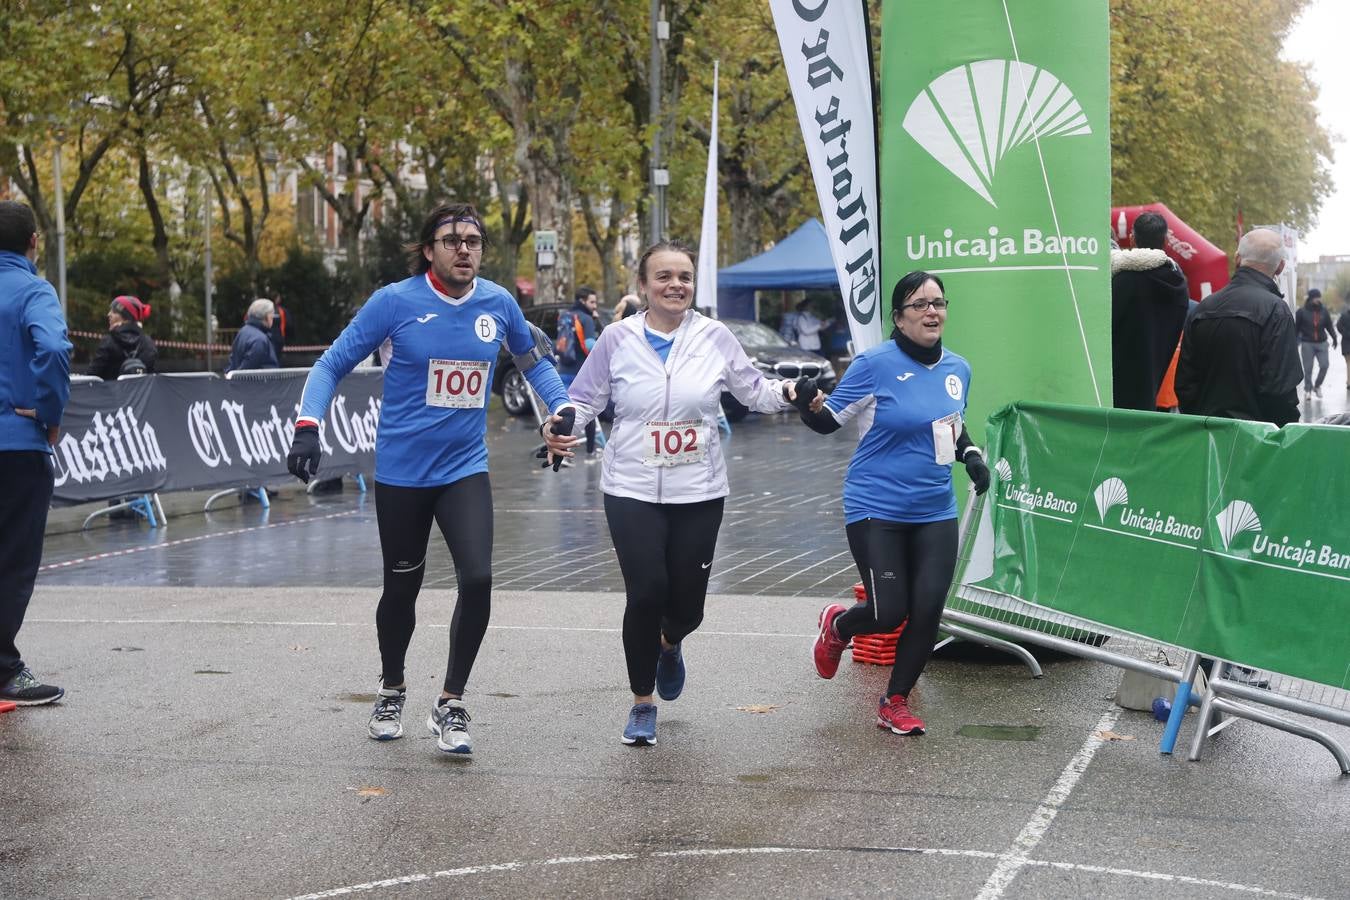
(463, 510)
(665, 553)
(907, 569)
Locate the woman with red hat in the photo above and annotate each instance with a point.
(125, 349)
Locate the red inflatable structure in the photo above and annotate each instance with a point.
(1205, 265)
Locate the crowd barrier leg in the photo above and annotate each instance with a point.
(993, 643)
(361, 482)
(1180, 703)
(260, 493)
(144, 505)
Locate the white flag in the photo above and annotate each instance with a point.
(829, 67)
(705, 286)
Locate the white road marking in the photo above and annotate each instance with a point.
(1018, 855)
(515, 866)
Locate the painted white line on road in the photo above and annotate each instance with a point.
(259, 623)
(371, 886)
(1034, 831)
(192, 540)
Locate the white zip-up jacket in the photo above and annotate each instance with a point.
(671, 406)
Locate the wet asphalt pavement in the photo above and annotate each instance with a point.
(221, 671)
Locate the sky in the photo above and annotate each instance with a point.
(1319, 39)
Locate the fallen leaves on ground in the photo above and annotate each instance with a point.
(1112, 736)
(758, 708)
(369, 791)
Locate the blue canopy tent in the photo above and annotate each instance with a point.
(800, 261)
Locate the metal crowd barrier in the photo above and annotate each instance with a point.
(1232, 689)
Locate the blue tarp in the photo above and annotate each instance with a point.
(800, 261)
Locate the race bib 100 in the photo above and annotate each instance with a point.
(945, 432)
(457, 383)
(674, 443)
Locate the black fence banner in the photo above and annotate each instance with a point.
(195, 432)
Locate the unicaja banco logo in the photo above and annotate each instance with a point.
(1003, 469)
(968, 118)
(1236, 518)
(1110, 493)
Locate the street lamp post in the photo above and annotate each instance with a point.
(660, 176)
(208, 275)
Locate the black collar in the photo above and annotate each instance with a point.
(928, 356)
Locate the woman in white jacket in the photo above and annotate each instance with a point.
(664, 476)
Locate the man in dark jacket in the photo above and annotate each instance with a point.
(1313, 324)
(578, 329)
(1343, 326)
(1148, 309)
(253, 348)
(125, 349)
(1239, 356)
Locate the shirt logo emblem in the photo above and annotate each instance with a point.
(486, 328)
(905, 377)
(427, 318)
(953, 387)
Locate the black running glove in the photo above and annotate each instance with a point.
(303, 460)
(806, 392)
(567, 419)
(977, 470)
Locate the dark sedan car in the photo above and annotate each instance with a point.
(507, 381)
(776, 358)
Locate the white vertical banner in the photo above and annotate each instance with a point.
(705, 285)
(829, 66)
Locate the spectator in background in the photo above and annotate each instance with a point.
(1239, 355)
(253, 348)
(809, 327)
(1148, 309)
(34, 389)
(578, 328)
(628, 305)
(1313, 324)
(281, 328)
(125, 349)
(1343, 326)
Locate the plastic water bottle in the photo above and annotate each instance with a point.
(1162, 709)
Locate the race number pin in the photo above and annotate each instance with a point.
(486, 328)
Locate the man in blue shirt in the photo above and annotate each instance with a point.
(34, 388)
(445, 326)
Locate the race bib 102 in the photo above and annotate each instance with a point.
(674, 443)
(457, 383)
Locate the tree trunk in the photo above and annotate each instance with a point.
(160, 239)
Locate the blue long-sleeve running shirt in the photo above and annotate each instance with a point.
(438, 381)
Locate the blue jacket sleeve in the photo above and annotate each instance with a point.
(854, 389)
(358, 340)
(542, 376)
(51, 359)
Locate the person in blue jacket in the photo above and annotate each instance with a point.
(899, 506)
(34, 388)
(445, 326)
(253, 347)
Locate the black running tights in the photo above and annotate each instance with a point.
(665, 553)
(463, 510)
(907, 569)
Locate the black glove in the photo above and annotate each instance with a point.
(567, 418)
(806, 392)
(978, 471)
(304, 449)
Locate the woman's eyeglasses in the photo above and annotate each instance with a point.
(922, 305)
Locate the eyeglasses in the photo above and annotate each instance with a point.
(922, 305)
(469, 241)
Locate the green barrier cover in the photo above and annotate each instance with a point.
(996, 175)
(1225, 537)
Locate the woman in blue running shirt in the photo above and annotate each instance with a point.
(899, 507)
(444, 326)
(664, 475)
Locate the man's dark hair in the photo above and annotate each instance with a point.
(17, 226)
(1150, 230)
(582, 293)
(445, 212)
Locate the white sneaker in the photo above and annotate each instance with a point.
(386, 722)
(449, 721)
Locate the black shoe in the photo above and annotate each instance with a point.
(25, 690)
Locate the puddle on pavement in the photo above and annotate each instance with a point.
(1001, 732)
(128, 649)
(356, 698)
(754, 779)
(505, 696)
(209, 672)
